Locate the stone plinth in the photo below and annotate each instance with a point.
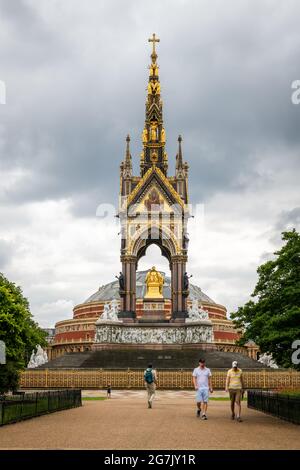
(154, 310)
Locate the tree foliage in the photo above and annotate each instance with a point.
(272, 319)
(18, 331)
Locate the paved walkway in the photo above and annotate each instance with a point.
(125, 422)
(140, 394)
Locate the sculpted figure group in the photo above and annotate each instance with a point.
(148, 335)
(37, 358)
(196, 313)
(110, 312)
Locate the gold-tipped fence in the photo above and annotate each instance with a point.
(133, 379)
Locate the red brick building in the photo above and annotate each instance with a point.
(77, 334)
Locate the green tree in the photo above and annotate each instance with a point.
(272, 319)
(18, 331)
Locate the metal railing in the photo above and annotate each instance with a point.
(21, 406)
(283, 405)
(134, 378)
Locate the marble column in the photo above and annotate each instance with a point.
(129, 272)
(178, 298)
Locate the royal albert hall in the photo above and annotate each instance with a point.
(77, 334)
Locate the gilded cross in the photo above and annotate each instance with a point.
(153, 40)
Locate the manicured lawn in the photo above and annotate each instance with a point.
(223, 399)
(295, 394)
(93, 398)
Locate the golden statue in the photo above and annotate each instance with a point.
(145, 136)
(153, 70)
(153, 88)
(157, 88)
(154, 157)
(163, 136)
(154, 283)
(154, 131)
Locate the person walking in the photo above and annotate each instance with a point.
(108, 392)
(203, 385)
(150, 378)
(235, 386)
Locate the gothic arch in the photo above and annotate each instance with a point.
(165, 239)
(162, 237)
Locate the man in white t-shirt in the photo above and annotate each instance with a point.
(203, 385)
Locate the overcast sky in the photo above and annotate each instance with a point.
(75, 74)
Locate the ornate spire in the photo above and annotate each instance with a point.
(154, 135)
(181, 172)
(127, 169)
(179, 162)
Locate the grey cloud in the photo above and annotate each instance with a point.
(266, 256)
(6, 251)
(226, 88)
(287, 220)
(76, 77)
(27, 40)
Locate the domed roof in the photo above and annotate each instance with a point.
(111, 291)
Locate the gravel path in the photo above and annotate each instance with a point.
(171, 424)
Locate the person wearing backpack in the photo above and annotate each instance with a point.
(150, 379)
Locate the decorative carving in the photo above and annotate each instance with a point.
(150, 306)
(188, 334)
(142, 182)
(163, 136)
